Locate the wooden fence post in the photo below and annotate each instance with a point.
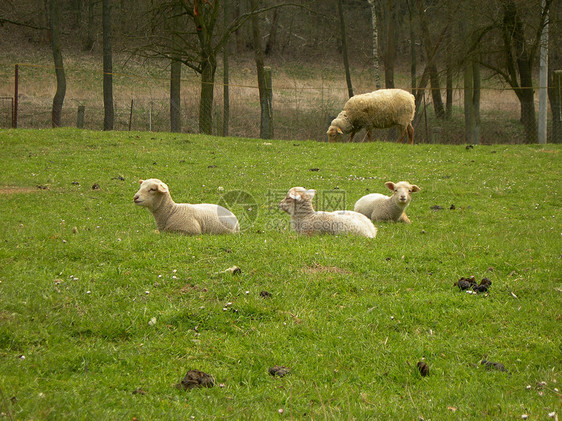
(80, 116)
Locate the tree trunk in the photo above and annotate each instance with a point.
(175, 71)
(521, 62)
(266, 126)
(107, 67)
(175, 96)
(413, 63)
(477, 87)
(344, 49)
(226, 77)
(449, 66)
(472, 102)
(555, 75)
(58, 100)
(88, 26)
(555, 97)
(432, 68)
(238, 34)
(528, 117)
(374, 29)
(390, 50)
(271, 40)
(207, 94)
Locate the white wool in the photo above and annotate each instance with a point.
(379, 207)
(185, 218)
(380, 109)
(298, 204)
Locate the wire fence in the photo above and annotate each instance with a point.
(302, 106)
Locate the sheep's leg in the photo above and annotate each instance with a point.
(368, 135)
(410, 130)
(351, 137)
(404, 218)
(402, 134)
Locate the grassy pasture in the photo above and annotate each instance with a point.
(100, 315)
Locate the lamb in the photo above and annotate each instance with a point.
(184, 218)
(298, 204)
(379, 207)
(380, 109)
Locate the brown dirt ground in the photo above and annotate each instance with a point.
(15, 190)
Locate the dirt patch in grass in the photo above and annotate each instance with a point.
(325, 269)
(15, 190)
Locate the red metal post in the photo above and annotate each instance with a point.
(15, 110)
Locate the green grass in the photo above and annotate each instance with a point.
(83, 272)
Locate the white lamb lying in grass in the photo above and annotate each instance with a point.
(379, 207)
(298, 204)
(183, 217)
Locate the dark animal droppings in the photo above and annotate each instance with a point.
(424, 368)
(196, 378)
(279, 370)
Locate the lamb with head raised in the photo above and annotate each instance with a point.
(379, 207)
(298, 204)
(184, 218)
(380, 109)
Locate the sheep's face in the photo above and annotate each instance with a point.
(334, 133)
(402, 192)
(295, 199)
(150, 193)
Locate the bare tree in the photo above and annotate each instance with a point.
(266, 125)
(431, 66)
(226, 76)
(87, 29)
(175, 80)
(518, 28)
(344, 48)
(58, 100)
(272, 38)
(200, 43)
(555, 73)
(107, 67)
(374, 29)
(390, 42)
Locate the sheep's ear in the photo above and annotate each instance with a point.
(311, 193)
(141, 181)
(162, 188)
(339, 130)
(415, 188)
(389, 185)
(294, 196)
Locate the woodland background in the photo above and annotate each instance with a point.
(203, 66)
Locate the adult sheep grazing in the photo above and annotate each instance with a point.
(184, 218)
(380, 109)
(379, 207)
(298, 204)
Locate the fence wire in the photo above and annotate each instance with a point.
(302, 107)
